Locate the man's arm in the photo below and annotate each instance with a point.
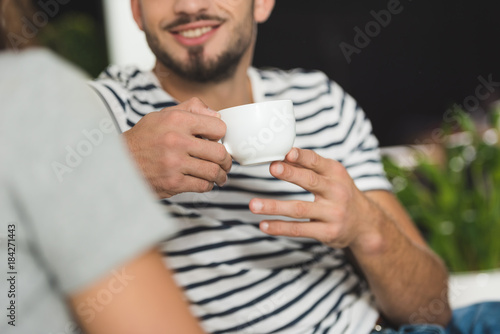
(172, 150)
(149, 302)
(406, 277)
(409, 281)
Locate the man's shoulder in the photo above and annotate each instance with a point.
(296, 84)
(124, 77)
(304, 87)
(294, 76)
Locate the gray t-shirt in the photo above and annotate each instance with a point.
(73, 208)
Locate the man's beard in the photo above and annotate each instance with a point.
(197, 69)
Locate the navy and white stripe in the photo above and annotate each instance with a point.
(238, 279)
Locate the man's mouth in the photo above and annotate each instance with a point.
(195, 33)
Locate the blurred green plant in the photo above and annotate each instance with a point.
(456, 204)
(78, 38)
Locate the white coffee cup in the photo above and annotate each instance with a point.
(259, 132)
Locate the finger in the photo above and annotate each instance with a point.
(308, 159)
(305, 178)
(207, 127)
(314, 230)
(205, 170)
(197, 106)
(292, 209)
(191, 183)
(210, 151)
(183, 120)
(182, 184)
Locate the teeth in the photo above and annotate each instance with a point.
(194, 33)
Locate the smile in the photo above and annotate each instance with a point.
(195, 33)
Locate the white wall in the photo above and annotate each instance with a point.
(126, 42)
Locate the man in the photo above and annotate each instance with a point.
(251, 271)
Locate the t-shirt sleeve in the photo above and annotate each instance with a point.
(113, 95)
(88, 208)
(362, 157)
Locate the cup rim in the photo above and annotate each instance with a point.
(255, 103)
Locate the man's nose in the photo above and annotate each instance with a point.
(191, 7)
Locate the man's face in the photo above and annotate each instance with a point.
(199, 40)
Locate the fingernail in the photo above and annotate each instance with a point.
(294, 154)
(216, 113)
(225, 181)
(257, 206)
(278, 169)
(264, 226)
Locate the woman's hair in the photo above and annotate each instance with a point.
(11, 24)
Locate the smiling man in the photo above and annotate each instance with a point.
(207, 49)
(347, 254)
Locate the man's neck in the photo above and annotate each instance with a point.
(236, 90)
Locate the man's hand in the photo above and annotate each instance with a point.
(405, 276)
(177, 149)
(337, 217)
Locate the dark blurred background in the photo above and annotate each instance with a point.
(426, 59)
(76, 31)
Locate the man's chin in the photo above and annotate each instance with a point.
(198, 66)
(197, 70)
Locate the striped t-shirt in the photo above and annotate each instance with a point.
(236, 278)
